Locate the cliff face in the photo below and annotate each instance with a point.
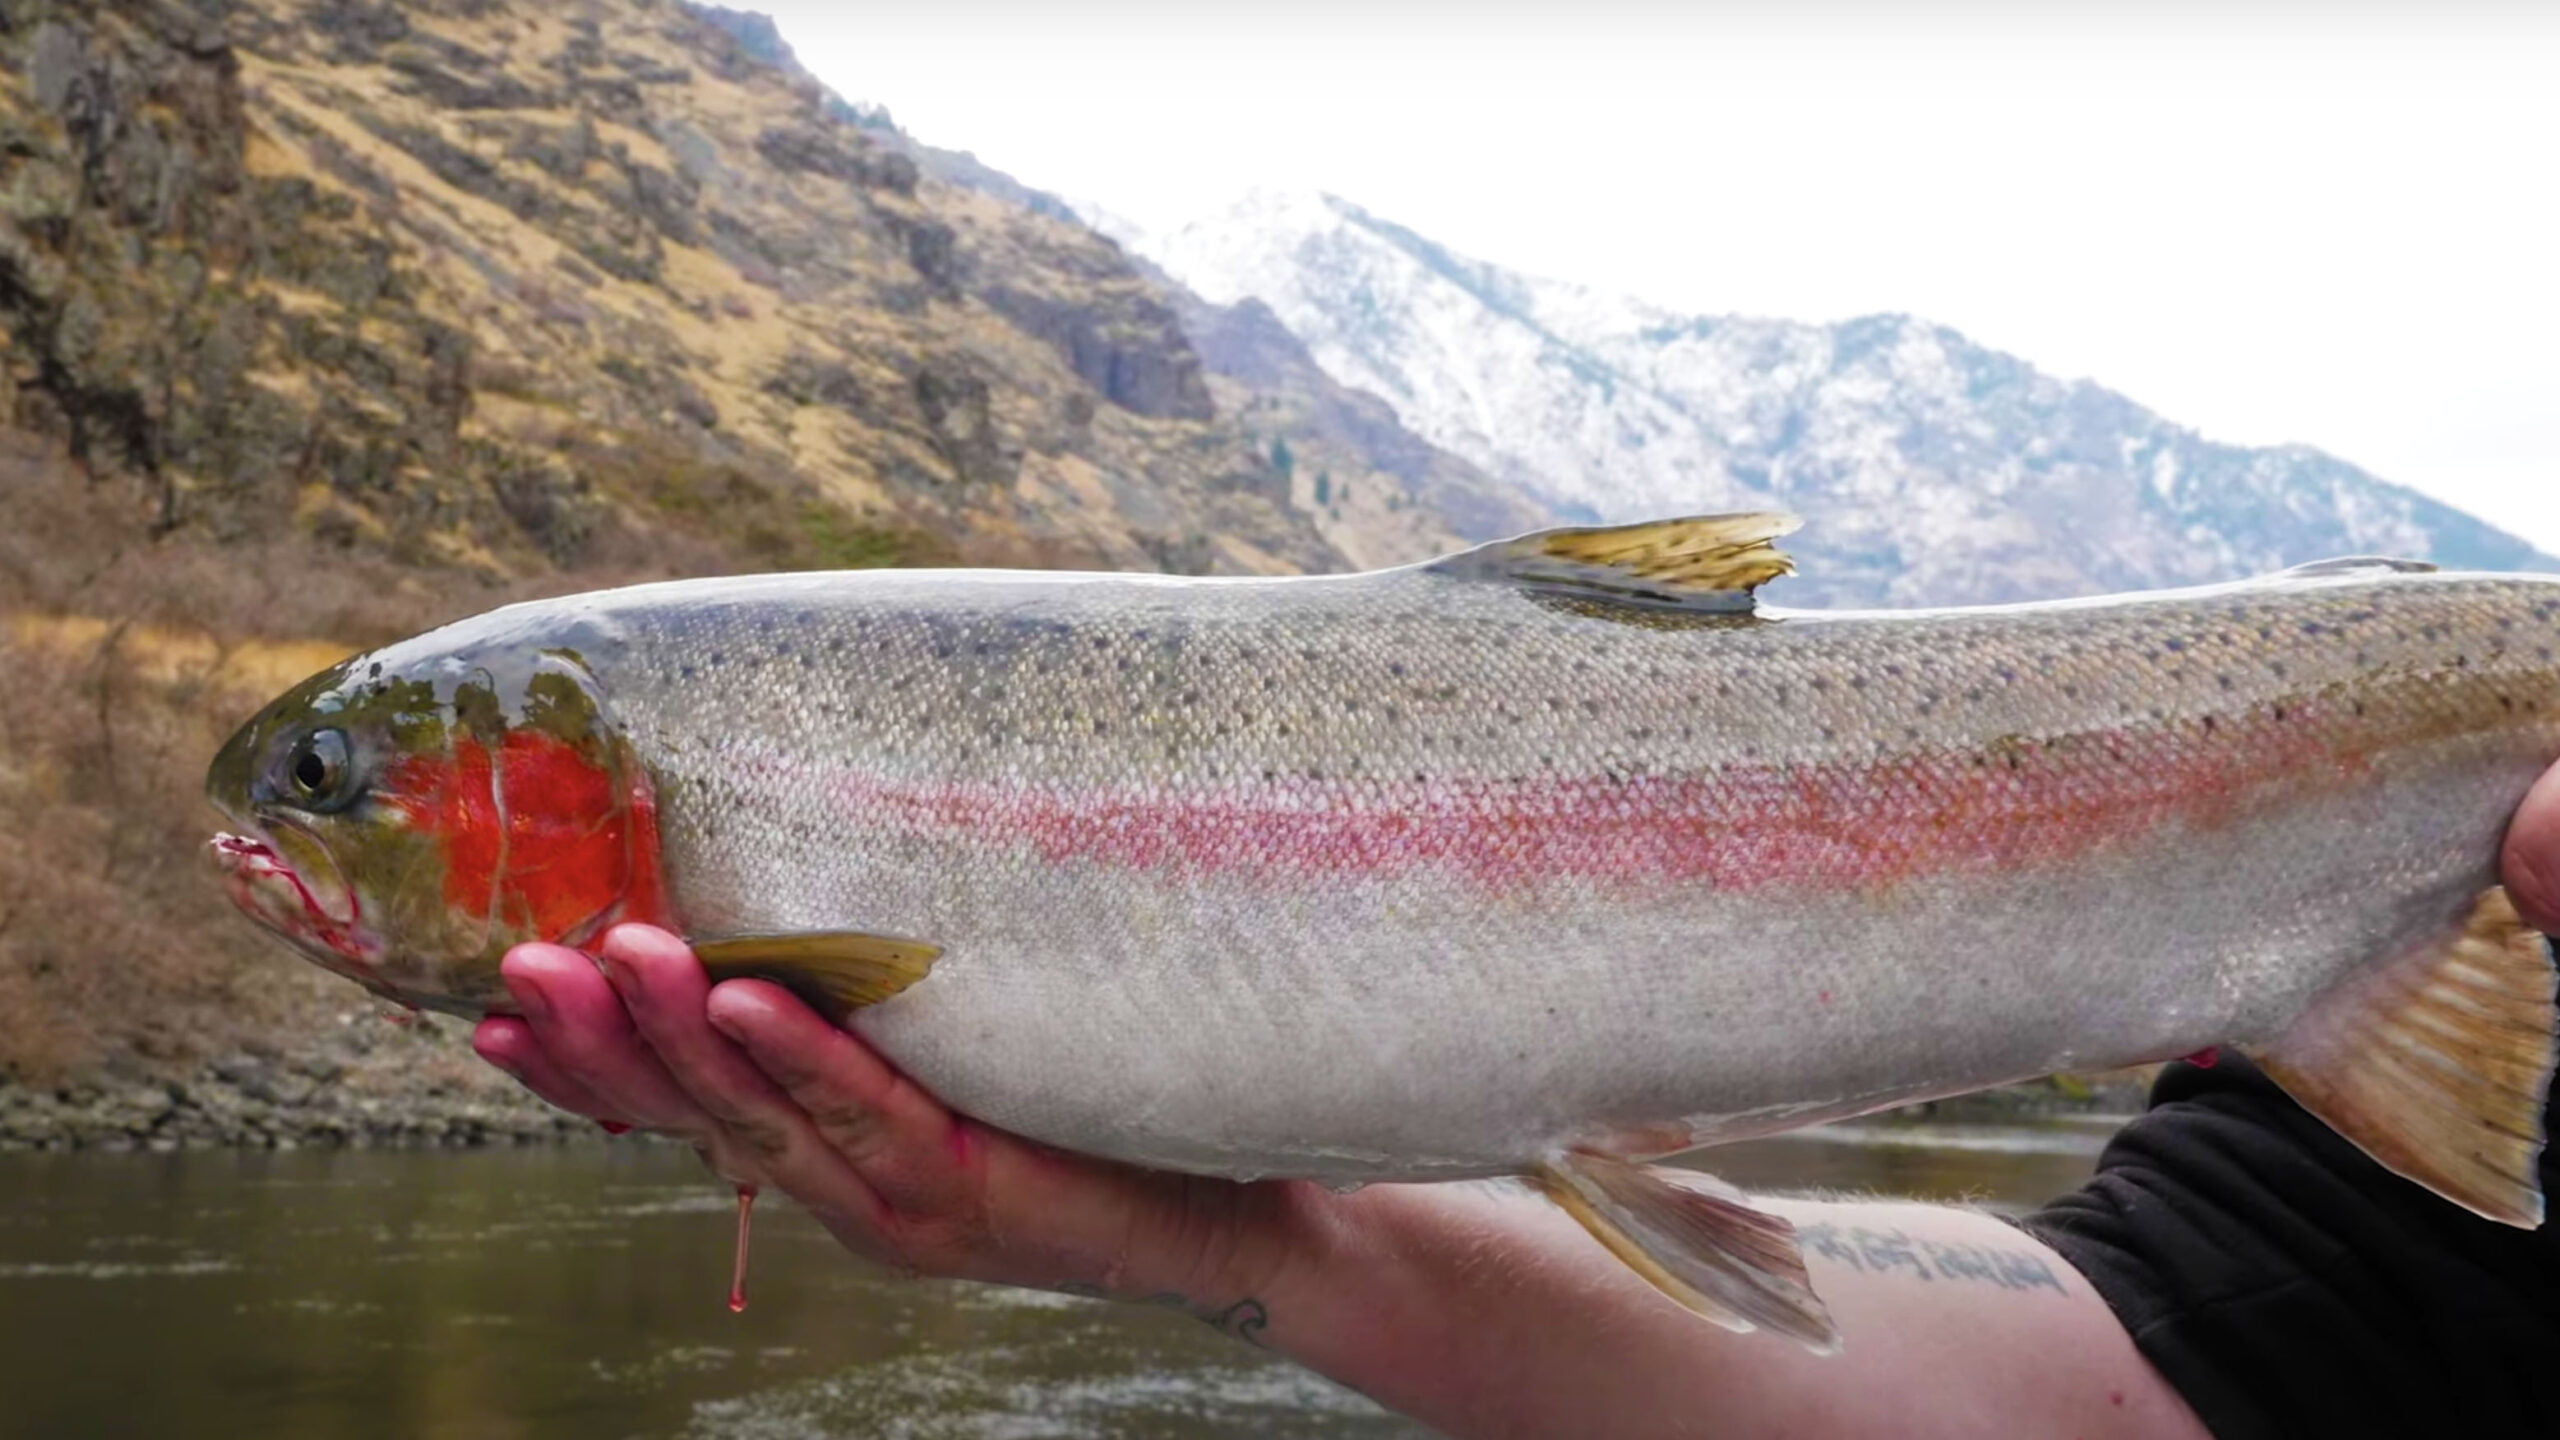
(1377, 492)
(516, 286)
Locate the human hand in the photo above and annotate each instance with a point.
(771, 1094)
(2532, 866)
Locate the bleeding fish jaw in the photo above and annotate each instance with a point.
(270, 891)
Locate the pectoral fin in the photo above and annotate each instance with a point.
(1705, 1248)
(2437, 1064)
(836, 972)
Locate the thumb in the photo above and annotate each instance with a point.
(2532, 865)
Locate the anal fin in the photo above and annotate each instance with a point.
(2437, 1064)
(836, 972)
(1723, 1260)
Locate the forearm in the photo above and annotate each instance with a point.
(1486, 1312)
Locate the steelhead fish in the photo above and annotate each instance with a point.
(1546, 859)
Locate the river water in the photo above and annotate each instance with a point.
(579, 1292)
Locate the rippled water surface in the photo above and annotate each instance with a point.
(579, 1292)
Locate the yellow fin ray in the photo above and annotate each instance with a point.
(1699, 562)
(2437, 1065)
(1704, 1247)
(835, 971)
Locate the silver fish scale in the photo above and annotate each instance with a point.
(988, 761)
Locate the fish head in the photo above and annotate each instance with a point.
(406, 817)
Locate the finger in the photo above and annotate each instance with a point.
(664, 988)
(589, 1038)
(904, 1143)
(759, 1127)
(2532, 869)
(509, 1044)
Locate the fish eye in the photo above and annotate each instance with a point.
(317, 768)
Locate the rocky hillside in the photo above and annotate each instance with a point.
(1375, 491)
(509, 285)
(324, 320)
(1931, 470)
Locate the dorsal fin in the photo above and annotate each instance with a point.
(2357, 565)
(1699, 562)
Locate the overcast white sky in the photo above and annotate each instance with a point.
(2329, 224)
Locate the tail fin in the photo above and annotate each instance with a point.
(2438, 1064)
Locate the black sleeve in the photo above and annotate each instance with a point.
(2286, 1285)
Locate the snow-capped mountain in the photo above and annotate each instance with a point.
(1931, 470)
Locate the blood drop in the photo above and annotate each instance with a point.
(738, 1270)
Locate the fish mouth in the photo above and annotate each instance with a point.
(325, 922)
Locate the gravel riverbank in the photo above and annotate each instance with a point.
(368, 1082)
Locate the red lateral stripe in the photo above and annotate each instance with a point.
(1832, 823)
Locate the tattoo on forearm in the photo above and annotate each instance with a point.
(1246, 1319)
(1887, 1252)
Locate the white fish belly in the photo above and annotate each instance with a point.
(1422, 1028)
